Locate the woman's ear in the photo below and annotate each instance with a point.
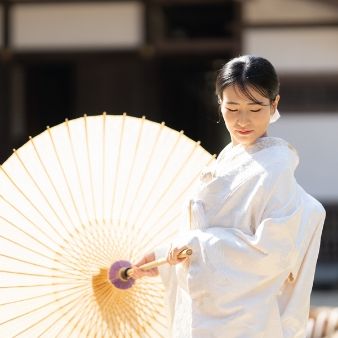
(275, 102)
(219, 100)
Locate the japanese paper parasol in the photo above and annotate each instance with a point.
(74, 200)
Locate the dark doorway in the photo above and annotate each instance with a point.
(50, 95)
(188, 100)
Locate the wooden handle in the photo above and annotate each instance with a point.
(184, 253)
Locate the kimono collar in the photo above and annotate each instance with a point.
(231, 151)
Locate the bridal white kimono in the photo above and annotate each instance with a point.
(255, 235)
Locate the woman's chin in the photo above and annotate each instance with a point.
(245, 141)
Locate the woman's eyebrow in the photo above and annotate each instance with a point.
(250, 103)
(231, 102)
(258, 102)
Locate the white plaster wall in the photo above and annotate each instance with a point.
(315, 137)
(310, 50)
(72, 26)
(301, 50)
(258, 11)
(295, 50)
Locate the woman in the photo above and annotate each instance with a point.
(254, 232)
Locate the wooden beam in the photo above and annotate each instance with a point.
(292, 24)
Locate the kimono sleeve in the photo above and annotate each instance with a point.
(278, 244)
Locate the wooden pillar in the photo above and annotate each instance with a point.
(5, 58)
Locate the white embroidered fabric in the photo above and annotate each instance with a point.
(250, 226)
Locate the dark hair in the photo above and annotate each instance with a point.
(249, 71)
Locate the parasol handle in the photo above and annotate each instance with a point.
(127, 273)
(183, 254)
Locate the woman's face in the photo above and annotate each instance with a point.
(246, 120)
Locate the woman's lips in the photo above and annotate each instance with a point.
(244, 132)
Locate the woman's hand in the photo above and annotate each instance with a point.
(172, 258)
(139, 273)
(173, 255)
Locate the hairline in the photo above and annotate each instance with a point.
(244, 89)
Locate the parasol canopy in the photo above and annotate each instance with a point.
(75, 199)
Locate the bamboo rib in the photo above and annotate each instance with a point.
(115, 312)
(156, 180)
(39, 242)
(169, 184)
(75, 319)
(30, 202)
(39, 275)
(144, 240)
(34, 310)
(40, 296)
(125, 303)
(80, 305)
(79, 221)
(35, 285)
(87, 307)
(41, 192)
(43, 233)
(93, 215)
(136, 229)
(37, 265)
(131, 168)
(54, 189)
(146, 169)
(70, 140)
(51, 250)
(164, 192)
(103, 298)
(90, 168)
(103, 240)
(29, 221)
(46, 317)
(50, 181)
(68, 187)
(104, 119)
(117, 168)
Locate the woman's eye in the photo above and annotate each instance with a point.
(233, 110)
(255, 110)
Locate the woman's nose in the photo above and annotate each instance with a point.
(243, 118)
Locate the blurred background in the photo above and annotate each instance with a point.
(61, 59)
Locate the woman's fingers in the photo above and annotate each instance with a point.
(172, 258)
(146, 259)
(173, 255)
(137, 272)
